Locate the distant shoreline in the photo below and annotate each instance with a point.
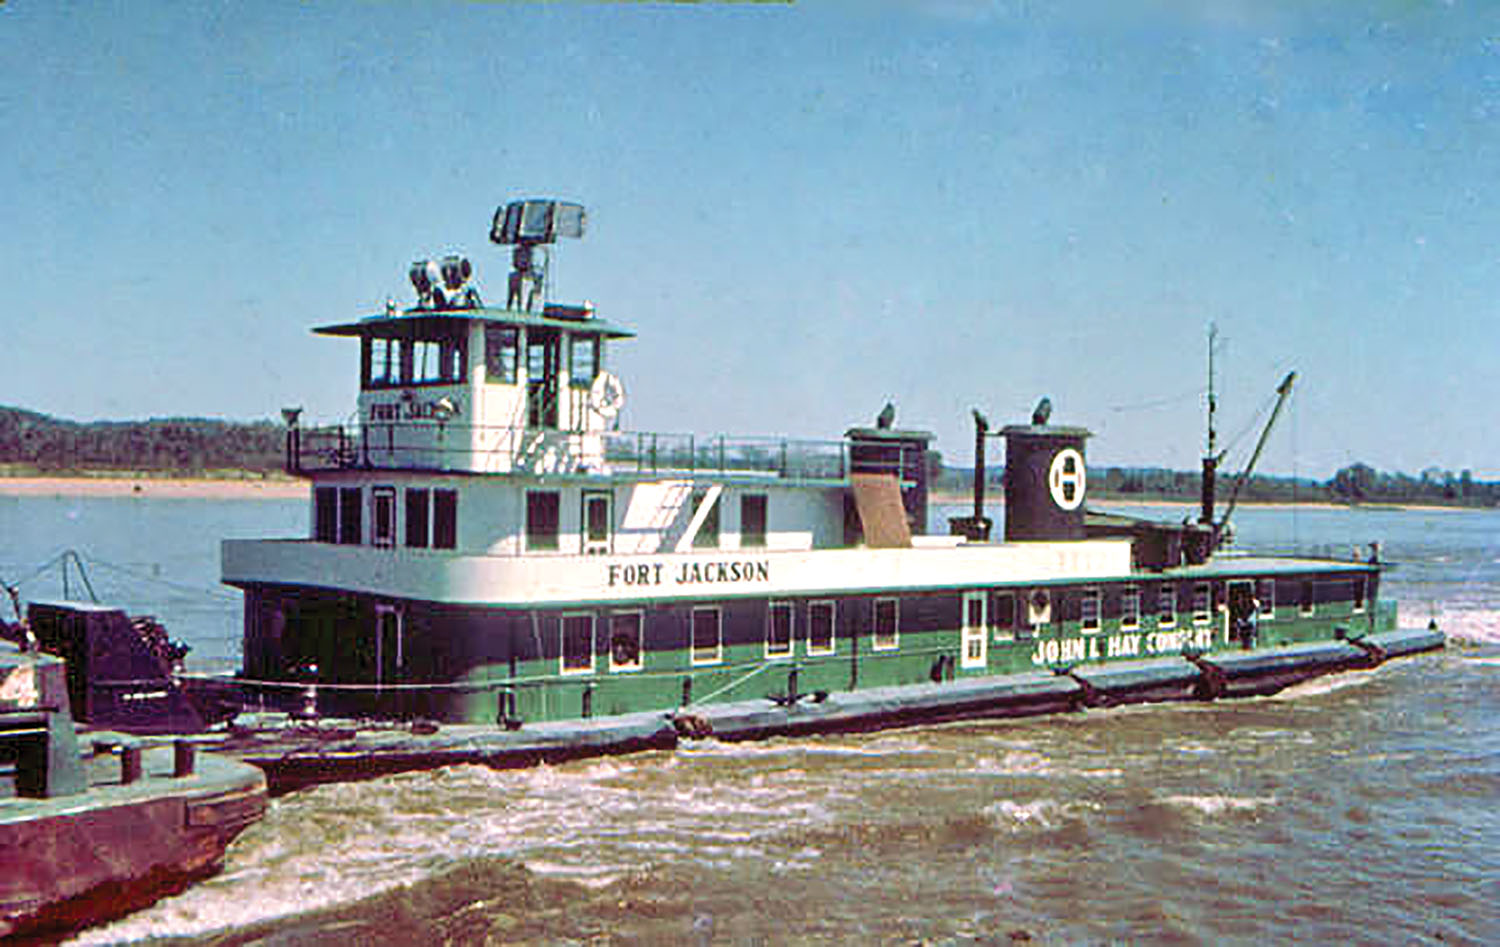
(246, 486)
(967, 499)
(155, 487)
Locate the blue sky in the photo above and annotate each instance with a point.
(804, 210)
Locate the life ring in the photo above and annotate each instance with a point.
(607, 395)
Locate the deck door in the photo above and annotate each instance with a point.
(974, 641)
(598, 519)
(389, 656)
(1239, 617)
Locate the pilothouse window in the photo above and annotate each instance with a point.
(394, 362)
(585, 362)
(502, 346)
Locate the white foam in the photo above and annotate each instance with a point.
(1215, 805)
(1318, 686)
(1039, 813)
(1479, 625)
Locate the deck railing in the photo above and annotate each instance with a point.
(424, 445)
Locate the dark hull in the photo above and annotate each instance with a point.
(87, 858)
(296, 759)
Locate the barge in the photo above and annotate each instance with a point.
(490, 554)
(96, 826)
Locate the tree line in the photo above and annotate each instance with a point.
(1356, 483)
(180, 446)
(185, 446)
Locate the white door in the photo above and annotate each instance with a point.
(974, 641)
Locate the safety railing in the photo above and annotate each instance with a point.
(448, 447)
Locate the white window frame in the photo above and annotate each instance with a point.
(891, 642)
(1203, 592)
(997, 631)
(1265, 593)
(833, 628)
(383, 539)
(1090, 595)
(718, 654)
(1166, 618)
(592, 546)
(616, 667)
(973, 633)
(791, 631)
(562, 641)
(1130, 616)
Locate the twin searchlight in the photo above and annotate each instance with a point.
(529, 226)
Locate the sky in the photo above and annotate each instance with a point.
(804, 210)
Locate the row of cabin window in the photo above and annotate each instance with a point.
(431, 516)
(819, 632)
(391, 363)
(706, 642)
(544, 520)
(1201, 603)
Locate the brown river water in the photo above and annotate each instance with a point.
(1362, 808)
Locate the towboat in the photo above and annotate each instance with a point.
(489, 549)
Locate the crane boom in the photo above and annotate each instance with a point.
(1283, 391)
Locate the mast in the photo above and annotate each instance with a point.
(1210, 459)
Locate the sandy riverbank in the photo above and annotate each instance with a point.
(201, 488)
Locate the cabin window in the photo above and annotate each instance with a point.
(351, 522)
(1202, 603)
(753, 520)
(1088, 609)
(502, 347)
(1265, 597)
(1003, 616)
(596, 523)
(886, 631)
(779, 630)
(444, 519)
(707, 536)
(383, 500)
(1130, 607)
(541, 520)
(708, 645)
(1357, 594)
(326, 514)
(625, 641)
(1038, 608)
(1166, 606)
(1306, 603)
(578, 643)
(820, 628)
(583, 365)
(972, 636)
(417, 501)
